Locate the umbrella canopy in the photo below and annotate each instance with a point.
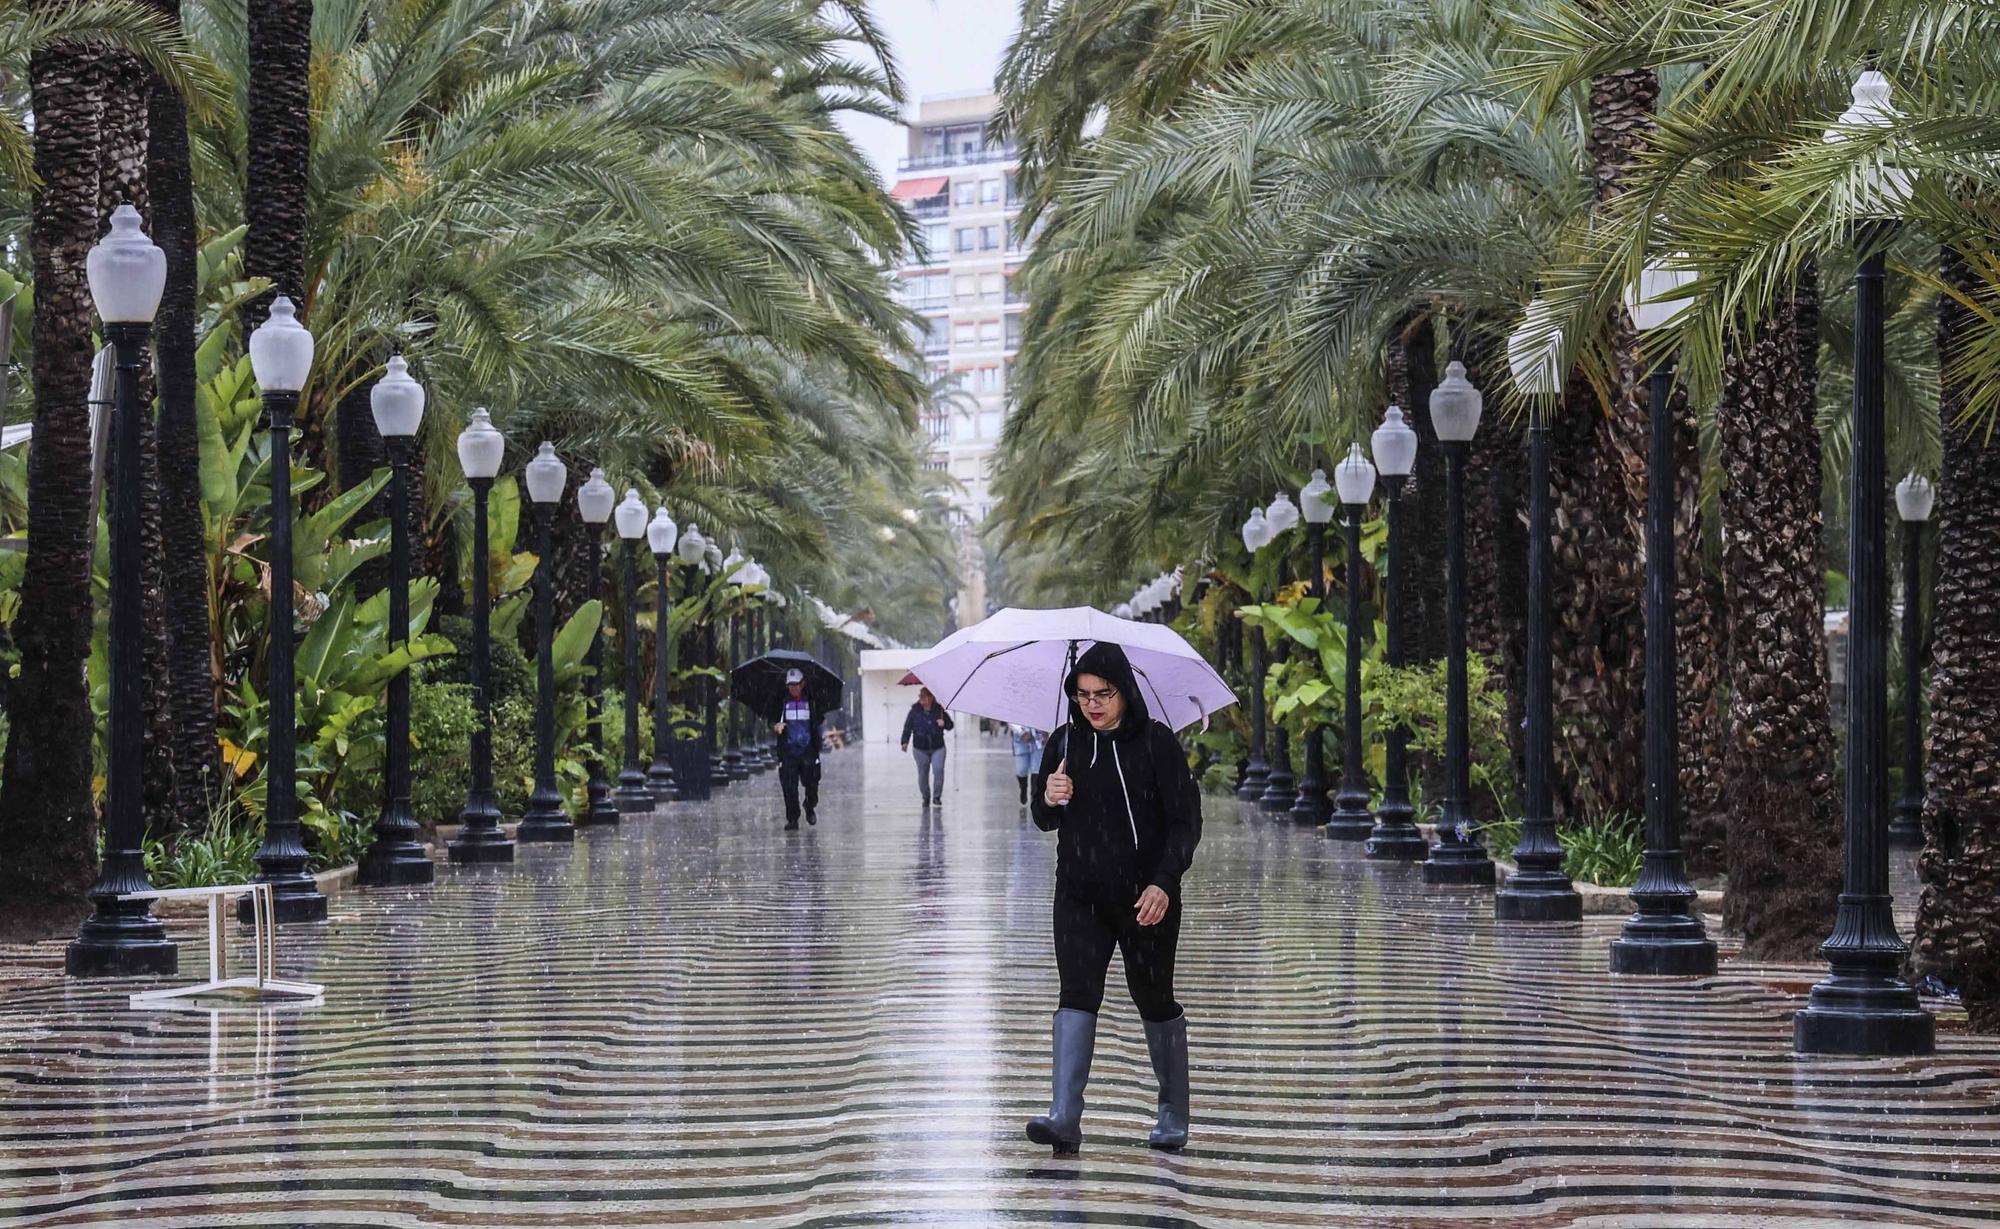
(759, 684)
(1011, 667)
(909, 680)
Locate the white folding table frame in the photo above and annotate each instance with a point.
(266, 986)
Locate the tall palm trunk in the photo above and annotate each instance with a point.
(121, 179)
(1783, 833)
(190, 677)
(280, 142)
(1958, 929)
(47, 817)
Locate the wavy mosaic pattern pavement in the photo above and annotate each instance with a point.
(699, 1019)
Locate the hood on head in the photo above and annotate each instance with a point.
(1108, 662)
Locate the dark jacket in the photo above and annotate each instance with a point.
(1135, 817)
(925, 731)
(811, 750)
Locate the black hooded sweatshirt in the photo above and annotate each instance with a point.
(1135, 815)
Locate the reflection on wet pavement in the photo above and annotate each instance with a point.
(700, 1018)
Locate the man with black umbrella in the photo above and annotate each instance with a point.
(798, 731)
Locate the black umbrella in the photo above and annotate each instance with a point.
(759, 684)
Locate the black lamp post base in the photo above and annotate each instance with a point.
(545, 823)
(660, 780)
(600, 811)
(1255, 778)
(1906, 828)
(477, 848)
(1349, 825)
(395, 866)
(1528, 897)
(1896, 1027)
(122, 945)
(1311, 806)
(1397, 843)
(634, 797)
(1280, 792)
(1448, 867)
(1664, 956)
(293, 900)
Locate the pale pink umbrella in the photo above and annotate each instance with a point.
(1011, 667)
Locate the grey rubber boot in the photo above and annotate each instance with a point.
(1075, 1037)
(1168, 1043)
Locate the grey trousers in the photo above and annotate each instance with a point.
(931, 763)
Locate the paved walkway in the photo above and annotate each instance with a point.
(701, 1019)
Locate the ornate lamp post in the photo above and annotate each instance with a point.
(281, 354)
(1538, 891)
(1395, 834)
(396, 857)
(480, 449)
(732, 757)
(718, 767)
(1458, 856)
(128, 273)
(662, 535)
(547, 820)
(1663, 936)
(1281, 788)
(1312, 805)
(1256, 536)
(594, 501)
(634, 798)
(1913, 505)
(1352, 821)
(1863, 1006)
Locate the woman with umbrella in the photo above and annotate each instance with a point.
(1116, 789)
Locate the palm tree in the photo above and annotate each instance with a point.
(278, 147)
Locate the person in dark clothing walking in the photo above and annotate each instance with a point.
(1116, 790)
(798, 732)
(924, 729)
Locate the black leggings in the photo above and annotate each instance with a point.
(1086, 931)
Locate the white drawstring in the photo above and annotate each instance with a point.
(1120, 766)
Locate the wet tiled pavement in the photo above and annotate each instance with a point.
(699, 1018)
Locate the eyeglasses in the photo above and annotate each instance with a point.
(1106, 696)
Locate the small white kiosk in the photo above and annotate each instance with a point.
(884, 699)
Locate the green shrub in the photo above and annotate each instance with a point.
(441, 724)
(509, 673)
(1606, 850)
(223, 853)
(514, 754)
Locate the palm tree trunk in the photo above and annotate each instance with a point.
(190, 681)
(280, 142)
(121, 179)
(1782, 829)
(1958, 930)
(47, 817)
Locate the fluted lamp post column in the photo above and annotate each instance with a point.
(1863, 1005)
(1395, 835)
(547, 819)
(1458, 855)
(281, 354)
(733, 565)
(662, 535)
(718, 764)
(1913, 506)
(1257, 774)
(1354, 480)
(1312, 805)
(480, 838)
(1281, 788)
(122, 938)
(594, 502)
(396, 858)
(1538, 891)
(634, 797)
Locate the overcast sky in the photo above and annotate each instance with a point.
(942, 47)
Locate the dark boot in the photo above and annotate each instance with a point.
(1023, 783)
(1168, 1043)
(1075, 1037)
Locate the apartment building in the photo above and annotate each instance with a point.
(960, 183)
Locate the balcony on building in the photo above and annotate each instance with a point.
(926, 197)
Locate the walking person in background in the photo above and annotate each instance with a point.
(1116, 790)
(924, 730)
(799, 736)
(1027, 755)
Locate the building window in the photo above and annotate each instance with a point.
(989, 425)
(989, 191)
(964, 333)
(962, 287)
(989, 287)
(1014, 294)
(986, 379)
(989, 332)
(962, 427)
(937, 239)
(1013, 189)
(965, 238)
(989, 239)
(1015, 242)
(964, 191)
(1014, 331)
